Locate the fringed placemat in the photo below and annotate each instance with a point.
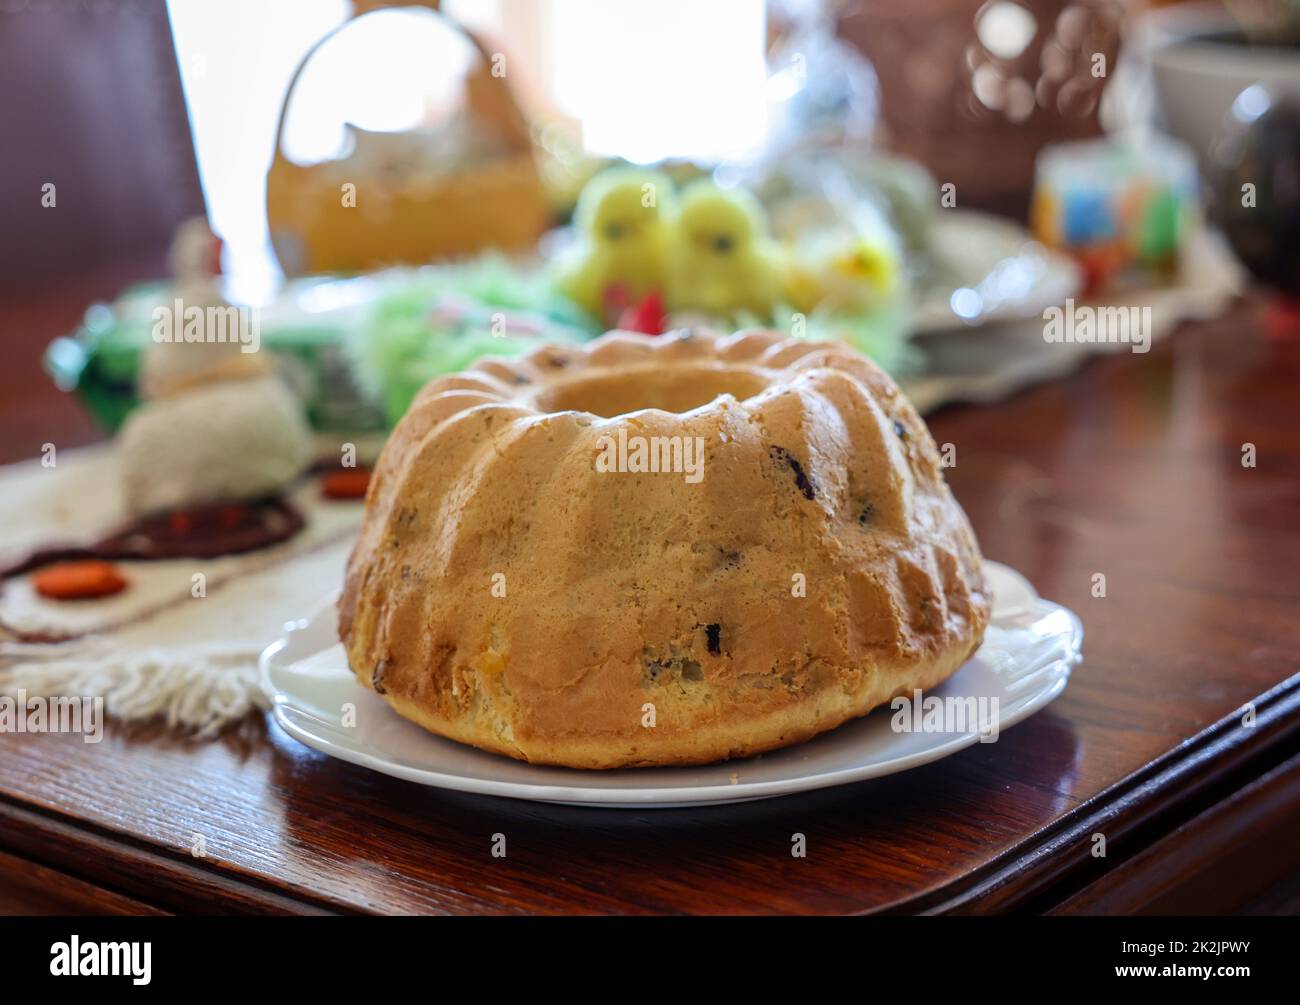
(181, 642)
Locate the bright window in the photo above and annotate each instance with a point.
(644, 79)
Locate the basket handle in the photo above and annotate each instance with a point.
(487, 95)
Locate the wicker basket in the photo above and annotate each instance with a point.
(973, 116)
(499, 204)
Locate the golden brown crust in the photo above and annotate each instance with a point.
(507, 594)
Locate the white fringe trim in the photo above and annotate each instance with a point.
(197, 690)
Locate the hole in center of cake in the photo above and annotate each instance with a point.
(673, 389)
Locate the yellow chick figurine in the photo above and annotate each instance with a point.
(724, 262)
(625, 216)
(841, 271)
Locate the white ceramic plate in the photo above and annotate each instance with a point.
(1028, 652)
(989, 270)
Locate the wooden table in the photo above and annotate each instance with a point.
(1131, 469)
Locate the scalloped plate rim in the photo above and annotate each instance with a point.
(293, 719)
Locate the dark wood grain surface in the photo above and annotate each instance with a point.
(1130, 468)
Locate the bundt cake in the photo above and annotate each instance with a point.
(659, 550)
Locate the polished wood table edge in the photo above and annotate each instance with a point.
(1033, 876)
(133, 869)
(1149, 804)
(27, 888)
(1225, 838)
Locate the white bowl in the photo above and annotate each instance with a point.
(1197, 78)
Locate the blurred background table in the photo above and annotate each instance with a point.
(1130, 468)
